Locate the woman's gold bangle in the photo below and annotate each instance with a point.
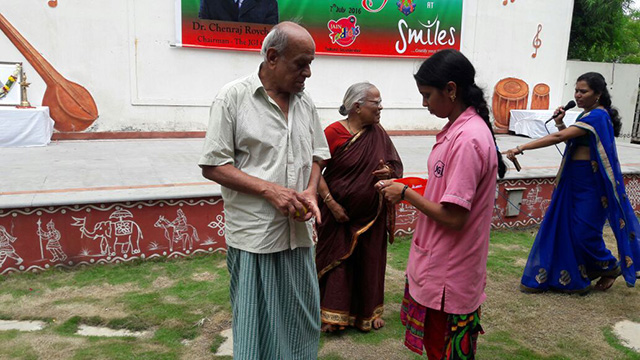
(327, 198)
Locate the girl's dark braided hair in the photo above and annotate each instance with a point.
(452, 65)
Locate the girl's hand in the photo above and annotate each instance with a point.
(392, 191)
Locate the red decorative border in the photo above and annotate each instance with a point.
(35, 239)
(536, 198)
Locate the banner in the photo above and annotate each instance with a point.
(387, 28)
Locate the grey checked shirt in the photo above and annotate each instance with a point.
(248, 130)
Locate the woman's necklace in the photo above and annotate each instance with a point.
(349, 128)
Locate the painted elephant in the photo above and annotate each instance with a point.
(122, 236)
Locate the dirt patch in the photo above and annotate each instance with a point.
(509, 247)
(521, 262)
(394, 280)
(47, 346)
(171, 300)
(204, 276)
(199, 348)
(390, 349)
(163, 282)
(65, 302)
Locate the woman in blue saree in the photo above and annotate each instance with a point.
(569, 251)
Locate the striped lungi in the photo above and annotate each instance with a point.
(276, 304)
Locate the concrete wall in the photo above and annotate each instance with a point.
(623, 81)
(121, 50)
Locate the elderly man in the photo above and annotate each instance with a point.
(265, 146)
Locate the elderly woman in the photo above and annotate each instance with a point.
(569, 251)
(352, 239)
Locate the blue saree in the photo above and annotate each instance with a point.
(569, 250)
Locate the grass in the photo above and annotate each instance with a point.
(165, 297)
(184, 303)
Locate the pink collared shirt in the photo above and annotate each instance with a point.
(462, 170)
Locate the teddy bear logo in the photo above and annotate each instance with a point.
(406, 6)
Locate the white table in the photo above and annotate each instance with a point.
(531, 123)
(25, 127)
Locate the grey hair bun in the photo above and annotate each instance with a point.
(355, 94)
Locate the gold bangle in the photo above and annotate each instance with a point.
(327, 198)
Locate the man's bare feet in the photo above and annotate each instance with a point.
(377, 323)
(604, 283)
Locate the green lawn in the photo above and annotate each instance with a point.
(184, 303)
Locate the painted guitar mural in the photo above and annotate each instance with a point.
(71, 106)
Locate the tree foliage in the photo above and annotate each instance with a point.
(605, 31)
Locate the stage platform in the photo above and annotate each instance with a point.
(106, 201)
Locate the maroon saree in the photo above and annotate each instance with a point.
(351, 256)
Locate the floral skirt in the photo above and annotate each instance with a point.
(461, 335)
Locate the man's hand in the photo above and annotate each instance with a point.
(310, 201)
(287, 201)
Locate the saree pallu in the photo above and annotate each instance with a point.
(569, 250)
(351, 256)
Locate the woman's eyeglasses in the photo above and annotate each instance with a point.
(377, 102)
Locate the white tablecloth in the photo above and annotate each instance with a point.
(25, 127)
(531, 122)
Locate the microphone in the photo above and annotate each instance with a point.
(570, 105)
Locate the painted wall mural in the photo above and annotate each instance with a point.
(509, 93)
(35, 239)
(540, 97)
(537, 42)
(7, 251)
(633, 191)
(513, 94)
(50, 238)
(71, 106)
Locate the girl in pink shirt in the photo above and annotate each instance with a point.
(447, 267)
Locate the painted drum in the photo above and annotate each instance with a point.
(540, 97)
(509, 93)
